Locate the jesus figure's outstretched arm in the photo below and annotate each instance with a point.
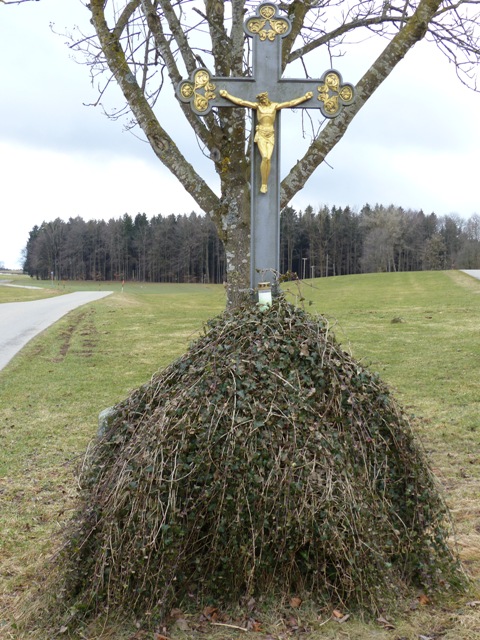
(239, 101)
(295, 101)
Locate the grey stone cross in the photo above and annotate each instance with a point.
(266, 93)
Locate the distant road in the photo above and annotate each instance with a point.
(22, 321)
(475, 273)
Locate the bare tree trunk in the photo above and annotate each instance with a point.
(233, 222)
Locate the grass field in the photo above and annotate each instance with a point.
(420, 331)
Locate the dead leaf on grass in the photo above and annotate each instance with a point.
(254, 625)
(340, 617)
(385, 623)
(292, 623)
(295, 602)
(423, 599)
(211, 613)
(182, 624)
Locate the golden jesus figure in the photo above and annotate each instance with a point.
(264, 131)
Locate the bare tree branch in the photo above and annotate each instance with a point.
(221, 46)
(296, 13)
(164, 48)
(125, 16)
(414, 30)
(162, 144)
(179, 35)
(237, 37)
(341, 31)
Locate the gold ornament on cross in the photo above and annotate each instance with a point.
(334, 94)
(198, 91)
(278, 26)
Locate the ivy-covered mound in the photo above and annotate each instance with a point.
(266, 460)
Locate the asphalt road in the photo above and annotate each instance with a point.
(22, 321)
(472, 272)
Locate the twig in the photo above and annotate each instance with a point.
(230, 626)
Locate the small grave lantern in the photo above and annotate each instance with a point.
(264, 295)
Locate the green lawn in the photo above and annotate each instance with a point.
(420, 331)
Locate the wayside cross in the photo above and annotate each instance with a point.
(266, 93)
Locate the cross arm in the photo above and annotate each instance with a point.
(203, 91)
(329, 92)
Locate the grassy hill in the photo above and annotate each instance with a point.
(418, 330)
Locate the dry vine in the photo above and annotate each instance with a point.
(266, 460)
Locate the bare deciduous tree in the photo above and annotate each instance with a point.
(146, 45)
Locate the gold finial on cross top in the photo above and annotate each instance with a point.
(266, 14)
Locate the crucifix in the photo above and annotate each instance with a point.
(266, 93)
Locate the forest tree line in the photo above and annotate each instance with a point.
(186, 248)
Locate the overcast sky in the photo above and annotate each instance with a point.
(415, 144)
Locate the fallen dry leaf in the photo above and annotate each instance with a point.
(295, 602)
(340, 617)
(211, 613)
(292, 622)
(254, 625)
(182, 624)
(385, 623)
(423, 599)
